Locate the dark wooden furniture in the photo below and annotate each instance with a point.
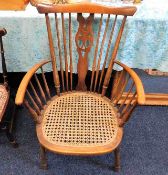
(7, 106)
(82, 118)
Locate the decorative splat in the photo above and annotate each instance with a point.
(84, 42)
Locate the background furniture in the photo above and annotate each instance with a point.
(7, 106)
(13, 4)
(83, 117)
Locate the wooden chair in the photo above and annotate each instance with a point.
(7, 106)
(87, 117)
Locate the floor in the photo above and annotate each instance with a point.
(144, 149)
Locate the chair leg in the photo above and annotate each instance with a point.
(9, 129)
(117, 166)
(11, 139)
(43, 159)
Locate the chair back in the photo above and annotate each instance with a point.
(98, 30)
(83, 37)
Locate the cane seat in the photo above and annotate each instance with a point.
(4, 96)
(80, 119)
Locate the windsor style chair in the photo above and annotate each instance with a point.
(84, 117)
(7, 106)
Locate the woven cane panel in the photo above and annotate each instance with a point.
(3, 99)
(80, 119)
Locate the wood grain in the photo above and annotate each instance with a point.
(85, 7)
(25, 81)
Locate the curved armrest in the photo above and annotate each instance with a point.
(25, 81)
(138, 83)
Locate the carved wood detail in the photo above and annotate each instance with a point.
(84, 42)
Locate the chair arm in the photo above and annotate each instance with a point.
(137, 81)
(25, 81)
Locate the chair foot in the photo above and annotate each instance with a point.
(116, 169)
(11, 139)
(43, 160)
(43, 166)
(14, 144)
(117, 166)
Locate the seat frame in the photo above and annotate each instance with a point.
(78, 150)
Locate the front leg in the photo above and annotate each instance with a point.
(43, 159)
(117, 165)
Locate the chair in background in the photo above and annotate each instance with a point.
(86, 117)
(7, 105)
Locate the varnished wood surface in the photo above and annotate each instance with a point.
(154, 99)
(85, 7)
(138, 83)
(113, 57)
(70, 150)
(23, 85)
(84, 34)
(76, 150)
(52, 54)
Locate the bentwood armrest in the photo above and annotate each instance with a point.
(138, 83)
(25, 81)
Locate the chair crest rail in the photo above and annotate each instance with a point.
(85, 7)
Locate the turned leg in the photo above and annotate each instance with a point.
(43, 160)
(117, 166)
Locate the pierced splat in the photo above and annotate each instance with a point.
(84, 42)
